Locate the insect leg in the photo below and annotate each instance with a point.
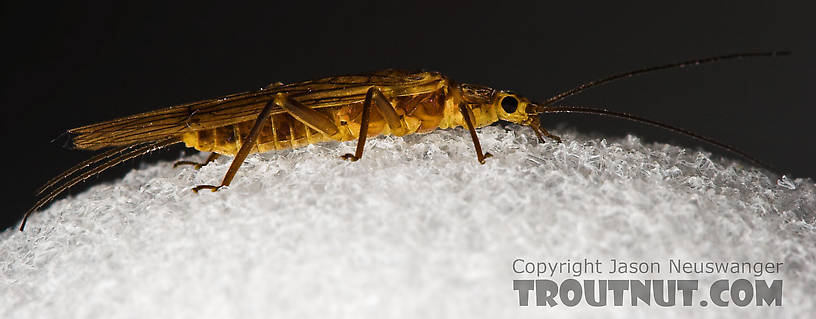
(541, 132)
(375, 96)
(467, 113)
(249, 142)
(198, 165)
(307, 115)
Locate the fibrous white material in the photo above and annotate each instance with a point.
(417, 228)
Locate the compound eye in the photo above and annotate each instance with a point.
(509, 104)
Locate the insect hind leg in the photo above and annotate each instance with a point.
(249, 142)
(308, 116)
(213, 156)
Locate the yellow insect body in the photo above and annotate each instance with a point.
(339, 108)
(424, 102)
(421, 109)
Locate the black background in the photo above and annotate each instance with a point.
(72, 64)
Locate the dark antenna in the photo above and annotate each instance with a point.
(565, 94)
(597, 111)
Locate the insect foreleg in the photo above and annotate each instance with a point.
(467, 114)
(198, 165)
(376, 97)
(541, 132)
(249, 142)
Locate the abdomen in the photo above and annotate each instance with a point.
(418, 114)
(281, 131)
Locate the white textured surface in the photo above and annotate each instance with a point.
(416, 229)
